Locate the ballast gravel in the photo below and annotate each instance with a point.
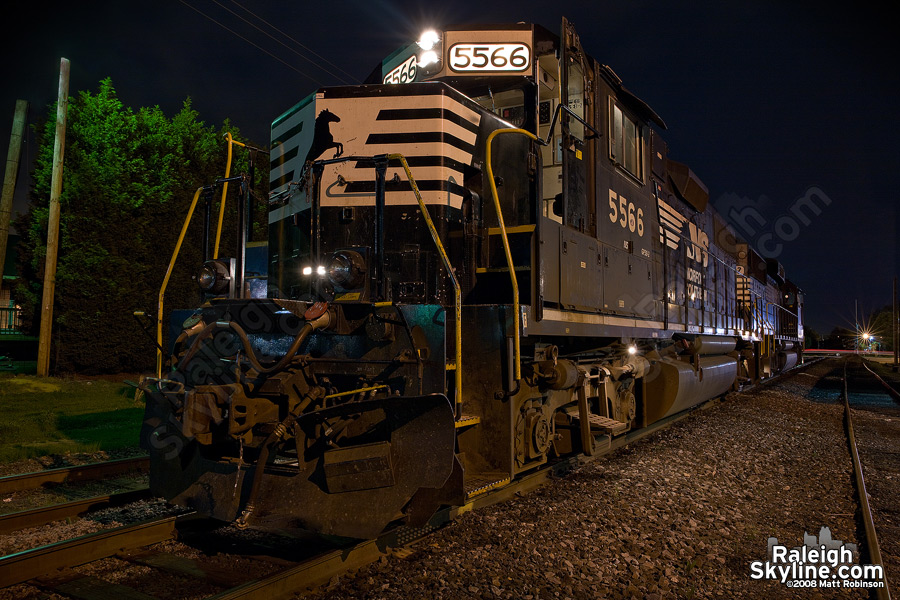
(680, 514)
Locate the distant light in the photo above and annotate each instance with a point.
(307, 270)
(428, 39)
(428, 58)
(632, 349)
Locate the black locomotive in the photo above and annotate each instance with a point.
(480, 260)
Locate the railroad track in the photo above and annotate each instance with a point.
(38, 565)
(74, 474)
(871, 535)
(26, 519)
(891, 390)
(132, 543)
(29, 564)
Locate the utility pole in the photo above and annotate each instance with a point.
(9, 179)
(43, 362)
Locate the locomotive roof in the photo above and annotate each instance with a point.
(643, 110)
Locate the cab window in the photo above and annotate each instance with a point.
(575, 96)
(624, 141)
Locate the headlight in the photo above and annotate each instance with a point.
(347, 269)
(319, 271)
(429, 39)
(429, 59)
(215, 276)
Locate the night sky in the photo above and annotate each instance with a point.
(770, 103)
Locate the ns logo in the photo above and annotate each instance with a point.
(698, 249)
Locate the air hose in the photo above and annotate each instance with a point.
(322, 321)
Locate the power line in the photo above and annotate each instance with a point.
(234, 33)
(266, 33)
(313, 52)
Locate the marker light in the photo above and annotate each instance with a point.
(215, 276)
(428, 58)
(632, 349)
(320, 270)
(428, 39)
(347, 269)
(307, 271)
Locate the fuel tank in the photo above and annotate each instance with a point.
(675, 385)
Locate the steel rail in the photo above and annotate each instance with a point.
(890, 389)
(56, 512)
(882, 593)
(88, 472)
(28, 564)
(310, 573)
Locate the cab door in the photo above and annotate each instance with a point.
(576, 141)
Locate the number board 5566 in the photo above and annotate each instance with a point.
(489, 57)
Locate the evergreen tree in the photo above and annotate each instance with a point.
(882, 329)
(128, 181)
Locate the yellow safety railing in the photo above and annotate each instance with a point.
(503, 233)
(165, 283)
(184, 228)
(457, 302)
(231, 141)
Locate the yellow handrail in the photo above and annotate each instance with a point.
(457, 302)
(230, 141)
(165, 283)
(187, 220)
(509, 261)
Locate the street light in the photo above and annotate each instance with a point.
(869, 339)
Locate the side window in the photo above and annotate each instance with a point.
(575, 90)
(625, 141)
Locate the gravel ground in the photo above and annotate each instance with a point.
(681, 514)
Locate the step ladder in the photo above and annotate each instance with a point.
(481, 483)
(601, 424)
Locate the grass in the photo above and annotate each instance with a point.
(42, 416)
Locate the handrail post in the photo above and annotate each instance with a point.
(517, 368)
(165, 283)
(381, 163)
(446, 260)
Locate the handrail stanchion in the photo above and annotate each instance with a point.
(457, 293)
(165, 283)
(517, 369)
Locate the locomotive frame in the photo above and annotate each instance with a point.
(478, 261)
